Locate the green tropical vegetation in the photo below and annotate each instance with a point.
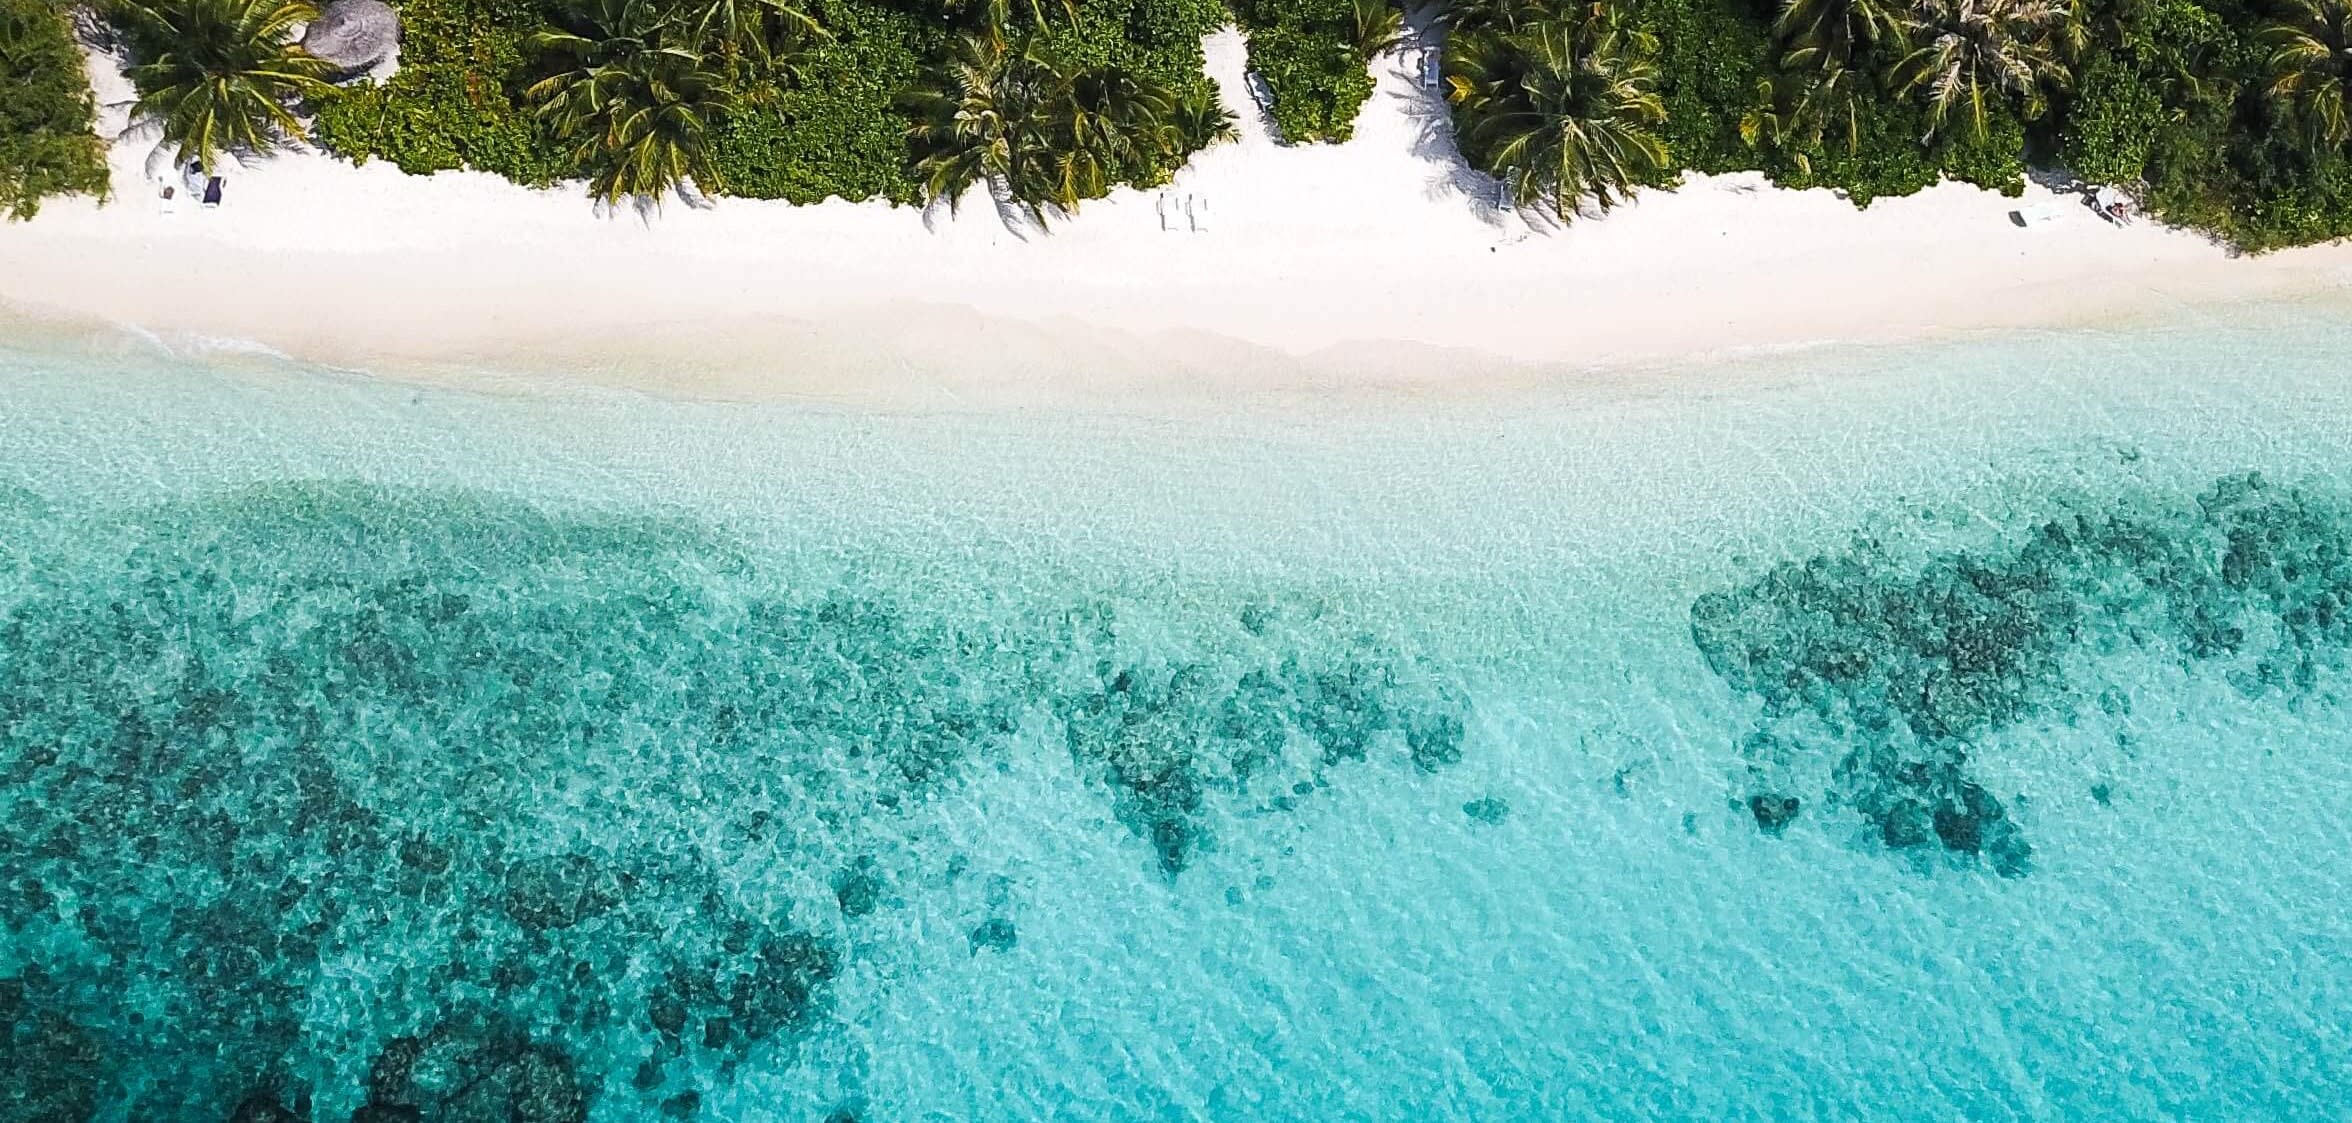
(456, 101)
(2310, 67)
(1561, 100)
(788, 100)
(1042, 130)
(637, 102)
(220, 75)
(2233, 116)
(1313, 56)
(48, 142)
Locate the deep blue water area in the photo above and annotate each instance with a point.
(1951, 732)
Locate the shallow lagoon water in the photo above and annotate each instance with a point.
(1934, 732)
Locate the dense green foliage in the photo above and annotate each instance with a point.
(836, 131)
(1312, 54)
(805, 101)
(2224, 109)
(1804, 92)
(47, 143)
(2234, 116)
(1043, 128)
(220, 75)
(640, 95)
(456, 101)
(1563, 100)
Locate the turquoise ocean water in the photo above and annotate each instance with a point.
(1943, 732)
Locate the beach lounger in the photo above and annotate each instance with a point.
(212, 191)
(1196, 212)
(2039, 214)
(1260, 92)
(2113, 205)
(1432, 69)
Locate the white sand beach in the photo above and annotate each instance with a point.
(1381, 261)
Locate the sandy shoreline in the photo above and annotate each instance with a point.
(1374, 262)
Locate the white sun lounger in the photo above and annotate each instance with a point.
(2037, 215)
(1259, 91)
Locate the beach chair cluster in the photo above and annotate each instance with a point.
(1188, 212)
(2108, 202)
(205, 188)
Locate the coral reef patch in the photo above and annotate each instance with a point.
(347, 802)
(1876, 673)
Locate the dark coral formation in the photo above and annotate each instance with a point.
(543, 775)
(858, 887)
(1164, 735)
(994, 934)
(1774, 812)
(1488, 810)
(470, 1069)
(1890, 672)
(53, 1066)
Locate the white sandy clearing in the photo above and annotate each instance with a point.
(1379, 261)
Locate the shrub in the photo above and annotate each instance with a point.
(456, 99)
(835, 131)
(48, 117)
(1711, 54)
(1307, 52)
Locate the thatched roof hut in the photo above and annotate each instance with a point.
(353, 35)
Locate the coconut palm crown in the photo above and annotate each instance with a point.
(1375, 27)
(981, 118)
(221, 75)
(1828, 53)
(1560, 105)
(1006, 111)
(1974, 53)
(2310, 67)
(741, 30)
(637, 109)
(1826, 34)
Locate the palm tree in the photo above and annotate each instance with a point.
(637, 109)
(1108, 124)
(1376, 27)
(981, 118)
(1827, 46)
(1825, 33)
(1199, 120)
(221, 74)
(748, 29)
(1005, 111)
(2310, 67)
(1560, 106)
(1982, 51)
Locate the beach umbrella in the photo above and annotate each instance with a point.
(353, 35)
